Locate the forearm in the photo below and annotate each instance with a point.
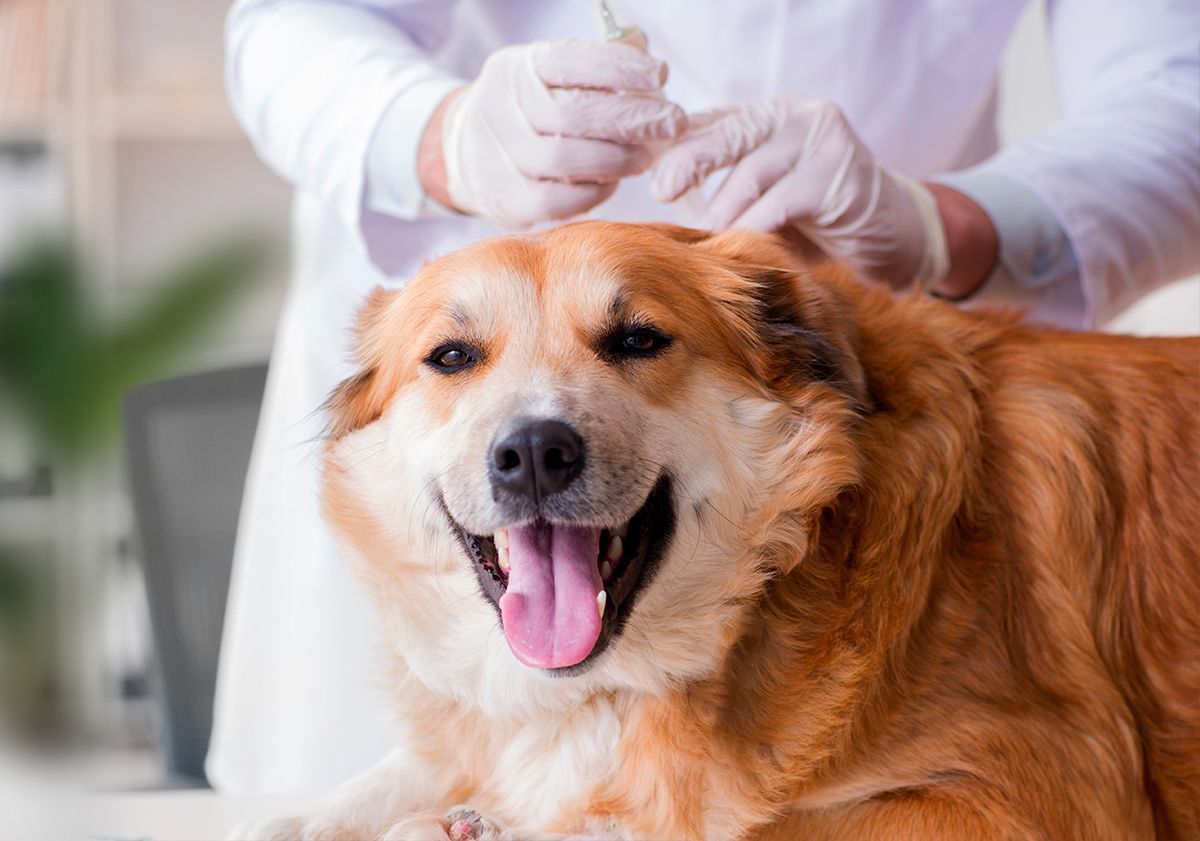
(1124, 184)
(290, 69)
(1102, 206)
(1093, 213)
(1023, 256)
(971, 240)
(431, 165)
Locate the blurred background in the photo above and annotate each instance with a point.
(141, 241)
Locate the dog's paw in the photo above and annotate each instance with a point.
(459, 824)
(465, 824)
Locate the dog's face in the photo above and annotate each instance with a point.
(582, 437)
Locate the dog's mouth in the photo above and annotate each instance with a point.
(564, 590)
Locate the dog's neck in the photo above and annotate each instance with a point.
(864, 586)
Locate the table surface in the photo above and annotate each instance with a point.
(192, 815)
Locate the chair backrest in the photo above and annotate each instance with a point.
(188, 443)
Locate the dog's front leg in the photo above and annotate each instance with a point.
(364, 807)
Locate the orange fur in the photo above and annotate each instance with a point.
(967, 606)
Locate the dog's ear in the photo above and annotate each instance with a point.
(352, 404)
(801, 322)
(361, 398)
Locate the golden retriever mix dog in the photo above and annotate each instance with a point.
(675, 537)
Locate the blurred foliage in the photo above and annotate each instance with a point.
(65, 368)
(27, 641)
(16, 591)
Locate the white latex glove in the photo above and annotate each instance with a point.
(797, 162)
(548, 129)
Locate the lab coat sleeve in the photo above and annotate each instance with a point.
(1120, 171)
(335, 94)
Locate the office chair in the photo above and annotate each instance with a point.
(188, 444)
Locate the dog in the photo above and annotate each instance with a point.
(674, 535)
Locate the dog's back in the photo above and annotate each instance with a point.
(1096, 441)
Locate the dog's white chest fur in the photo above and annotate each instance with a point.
(552, 763)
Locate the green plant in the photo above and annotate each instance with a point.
(27, 641)
(63, 367)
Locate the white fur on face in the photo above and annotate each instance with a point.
(449, 633)
(714, 440)
(527, 380)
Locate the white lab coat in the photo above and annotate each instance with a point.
(335, 94)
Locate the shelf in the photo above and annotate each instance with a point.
(161, 116)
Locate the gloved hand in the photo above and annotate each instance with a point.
(548, 129)
(797, 162)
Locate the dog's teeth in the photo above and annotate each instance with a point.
(502, 553)
(615, 548)
(621, 531)
(606, 570)
(601, 601)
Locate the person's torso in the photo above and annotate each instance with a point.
(915, 77)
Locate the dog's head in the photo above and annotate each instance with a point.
(601, 439)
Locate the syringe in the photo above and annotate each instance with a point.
(691, 203)
(613, 31)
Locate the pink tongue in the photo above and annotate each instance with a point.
(549, 611)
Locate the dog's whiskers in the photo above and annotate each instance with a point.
(430, 499)
(370, 450)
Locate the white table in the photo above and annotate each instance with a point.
(196, 815)
(191, 815)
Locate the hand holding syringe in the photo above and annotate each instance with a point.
(691, 202)
(548, 130)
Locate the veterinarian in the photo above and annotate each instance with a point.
(867, 127)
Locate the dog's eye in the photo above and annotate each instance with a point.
(641, 341)
(450, 358)
(638, 341)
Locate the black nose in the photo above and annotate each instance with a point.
(537, 459)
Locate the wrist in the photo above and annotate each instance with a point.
(431, 161)
(971, 241)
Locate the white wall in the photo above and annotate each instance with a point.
(1027, 104)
